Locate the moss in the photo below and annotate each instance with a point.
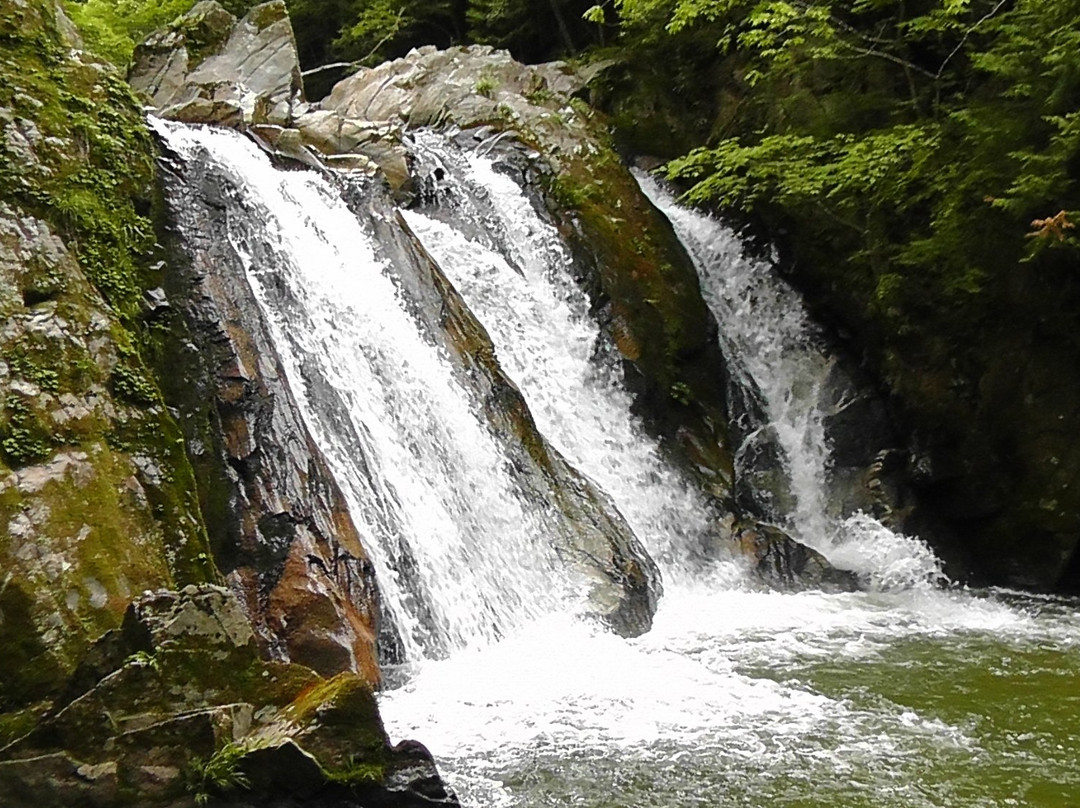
(125, 517)
(205, 33)
(27, 669)
(338, 721)
(357, 772)
(15, 725)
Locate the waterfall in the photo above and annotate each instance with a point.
(515, 275)
(736, 695)
(461, 555)
(773, 347)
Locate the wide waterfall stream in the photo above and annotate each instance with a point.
(909, 694)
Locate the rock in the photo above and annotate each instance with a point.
(197, 618)
(784, 563)
(338, 138)
(762, 484)
(282, 768)
(289, 546)
(56, 781)
(59, 356)
(209, 68)
(199, 711)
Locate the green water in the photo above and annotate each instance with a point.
(806, 701)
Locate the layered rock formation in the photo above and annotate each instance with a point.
(214, 69)
(280, 528)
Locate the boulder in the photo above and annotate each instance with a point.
(208, 67)
(194, 713)
(781, 562)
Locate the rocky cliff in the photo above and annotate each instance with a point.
(148, 455)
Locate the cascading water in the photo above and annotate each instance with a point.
(539, 320)
(460, 556)
(771, 344)
(905, 697)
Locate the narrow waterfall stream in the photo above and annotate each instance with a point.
(901, 696)
(770, 341)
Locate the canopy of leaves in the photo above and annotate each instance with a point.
(925, 135)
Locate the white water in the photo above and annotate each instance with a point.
(562, 714)
(547, 343)
(423, 477)
(718, 704)
(768, 338)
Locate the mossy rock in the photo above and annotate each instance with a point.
(97, 499)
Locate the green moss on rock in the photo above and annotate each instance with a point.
(97, 499)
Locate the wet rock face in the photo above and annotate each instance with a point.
(211, 68)
(281, 528)
(783, 563)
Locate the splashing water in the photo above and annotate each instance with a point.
(901, 697)
(769, 340)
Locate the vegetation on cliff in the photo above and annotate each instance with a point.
(96, 495)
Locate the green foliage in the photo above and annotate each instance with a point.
(923, 141)
(112, 28)
(358, 771)
(218, 774)
(382, 27)
(24, 439)
(144, 659)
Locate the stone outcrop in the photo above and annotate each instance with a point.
(97, 500)
(209, 67)
(212, 68)
(780, 562)
(176, 706)
(282, 532)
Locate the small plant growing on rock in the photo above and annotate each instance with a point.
(485, 86)
(218, 774)
(357, 772)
